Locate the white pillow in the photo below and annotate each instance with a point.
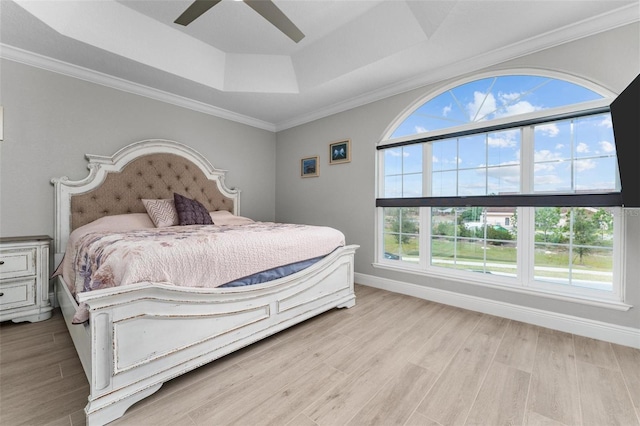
(223, 217)
(162, 212)
(117, 223)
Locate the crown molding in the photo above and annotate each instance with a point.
(581, 29)
(614, 19)
(40, 61)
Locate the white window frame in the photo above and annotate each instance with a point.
(524, 282)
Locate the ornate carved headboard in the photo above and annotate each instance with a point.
(149, 169)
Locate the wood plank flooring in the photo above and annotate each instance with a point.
(390, 360)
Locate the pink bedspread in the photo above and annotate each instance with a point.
(191, 256)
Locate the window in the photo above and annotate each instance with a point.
(401, 233)
(471, 238)
(481, 164)
(574, 247)
(510, 180)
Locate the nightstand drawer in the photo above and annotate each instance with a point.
(17, 262)
(17, 293)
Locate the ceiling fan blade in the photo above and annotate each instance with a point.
(194, 11)
(273, 14)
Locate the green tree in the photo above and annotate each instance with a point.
(603, 220)
(444, 228)
(514, 221)
(547, 219)
(584, 233)
(498, 233)
(471, 214)
(403, 224)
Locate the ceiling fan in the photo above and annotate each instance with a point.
(266, 8)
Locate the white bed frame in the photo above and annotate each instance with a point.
(141, 335)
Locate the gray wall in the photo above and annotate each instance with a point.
(52, 120)
(344, 195)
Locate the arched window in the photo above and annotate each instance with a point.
(507, 180)
(493, 98)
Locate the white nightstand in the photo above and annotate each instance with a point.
(24, 278)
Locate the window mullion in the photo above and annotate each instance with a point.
(526, 247)
(425, 212)
(527, 160)
(425, 237)
(526, 222)
(379, 246)
(457, 160)
(618, 253)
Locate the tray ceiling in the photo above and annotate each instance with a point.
(233, 63)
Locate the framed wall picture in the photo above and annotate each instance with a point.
(340, 152)
(310, 167)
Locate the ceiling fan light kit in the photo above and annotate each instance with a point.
(266, 8)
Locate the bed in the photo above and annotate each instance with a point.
(142, 334)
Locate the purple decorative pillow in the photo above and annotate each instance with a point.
(191, 212)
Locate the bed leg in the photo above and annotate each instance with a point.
(348, 304)
(108, 413)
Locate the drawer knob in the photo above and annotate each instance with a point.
(1, 294)
(1, 262)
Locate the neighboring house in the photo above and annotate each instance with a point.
(500, 216)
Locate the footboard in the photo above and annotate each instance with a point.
(145, 334)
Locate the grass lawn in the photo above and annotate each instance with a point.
(596, 265)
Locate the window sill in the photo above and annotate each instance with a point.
(608, 304)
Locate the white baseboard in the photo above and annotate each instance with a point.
(621, 335)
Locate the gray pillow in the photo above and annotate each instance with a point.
(191, 212)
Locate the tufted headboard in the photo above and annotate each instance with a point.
(152, 176)
(149, 169)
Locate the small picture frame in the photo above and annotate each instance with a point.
(310, 167)
(340, 152)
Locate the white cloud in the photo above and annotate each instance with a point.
(606, 122)
(487, 107)
(582, 148)
(507, 139)
(554, 180)
(546, 155)
(446, 110)
(521, 107)
(507, 174)
(501, 142)
(550, 130)
(482, 105)
(455, 160)
(396, 153)
(508, 97)
(420, 129)
(435, 159)
(544, 167)
(559, 146)
(582, 165)
(607, 146)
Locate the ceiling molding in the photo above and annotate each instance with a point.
(39, 61)
(617, 18)
(614, 19)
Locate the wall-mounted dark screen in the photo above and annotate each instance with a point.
(625, 114)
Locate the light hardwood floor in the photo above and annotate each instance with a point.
(391, 359)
